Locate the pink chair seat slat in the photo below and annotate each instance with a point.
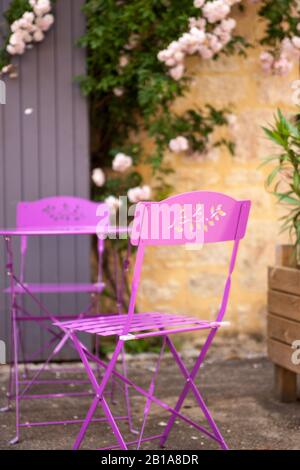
(110, 325)
(59, 288)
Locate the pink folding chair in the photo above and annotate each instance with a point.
(64, 214)
(190, 218)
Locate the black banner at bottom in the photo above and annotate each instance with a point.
(134, 459)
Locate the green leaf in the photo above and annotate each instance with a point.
(285, 198)
(273, 175)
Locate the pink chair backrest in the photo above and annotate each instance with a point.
(195, 217)
(60, 211)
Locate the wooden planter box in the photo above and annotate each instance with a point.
(284, 322)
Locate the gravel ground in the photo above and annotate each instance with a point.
(237, 387)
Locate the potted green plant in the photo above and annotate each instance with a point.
(284, 278)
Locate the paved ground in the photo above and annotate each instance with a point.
(236, 385)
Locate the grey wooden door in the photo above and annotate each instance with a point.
(44, 151)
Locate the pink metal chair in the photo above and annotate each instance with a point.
(45, 216)
(196, 217)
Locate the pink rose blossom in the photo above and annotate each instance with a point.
(296, 41)
(30, 26)
(121, 162)
(177, 72)
(232, 2)
(23, 23)
(267, 61)
(201, 37)
(266, 57)
(179, 144)
(288, 49)
(124, 61)
(171, 62)
(7, 68)
(162, 56)
(198, 3)
(28, 16)
(205, 52)
(98, 177)
(20, 48)
(38, 35)
(197, 34)
(14, 26)
(178, 56)
(283, 66)
(27, 37)
(214, 43)
(118, 91)
(11, 49)
(113, 203)
(45, 22)
(138, 194)
(216, 10)
(228, 25)
(41, 7)
(15, 38)
(16, 43)
(224, 37)
(232, 122)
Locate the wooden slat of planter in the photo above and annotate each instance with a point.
(281, 354)
(285, 384)
(282, 329)
(286, 256)
(284, 279)
(285, 305)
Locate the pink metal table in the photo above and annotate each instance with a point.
(18, 286)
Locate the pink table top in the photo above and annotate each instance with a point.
(44, 231)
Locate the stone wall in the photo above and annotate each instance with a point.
(182, 281)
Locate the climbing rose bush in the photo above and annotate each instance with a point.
(281, 38)
(134, 77)
(28, 23)
(206, 36)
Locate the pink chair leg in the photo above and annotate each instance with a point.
(99, 390)
(190, 384)
(15, 440)
(151, 392)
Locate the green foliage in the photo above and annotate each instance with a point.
(284, 178)
(282, 17)
(196, 125)
(107, 346)
(16, 10)
(144, 109)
